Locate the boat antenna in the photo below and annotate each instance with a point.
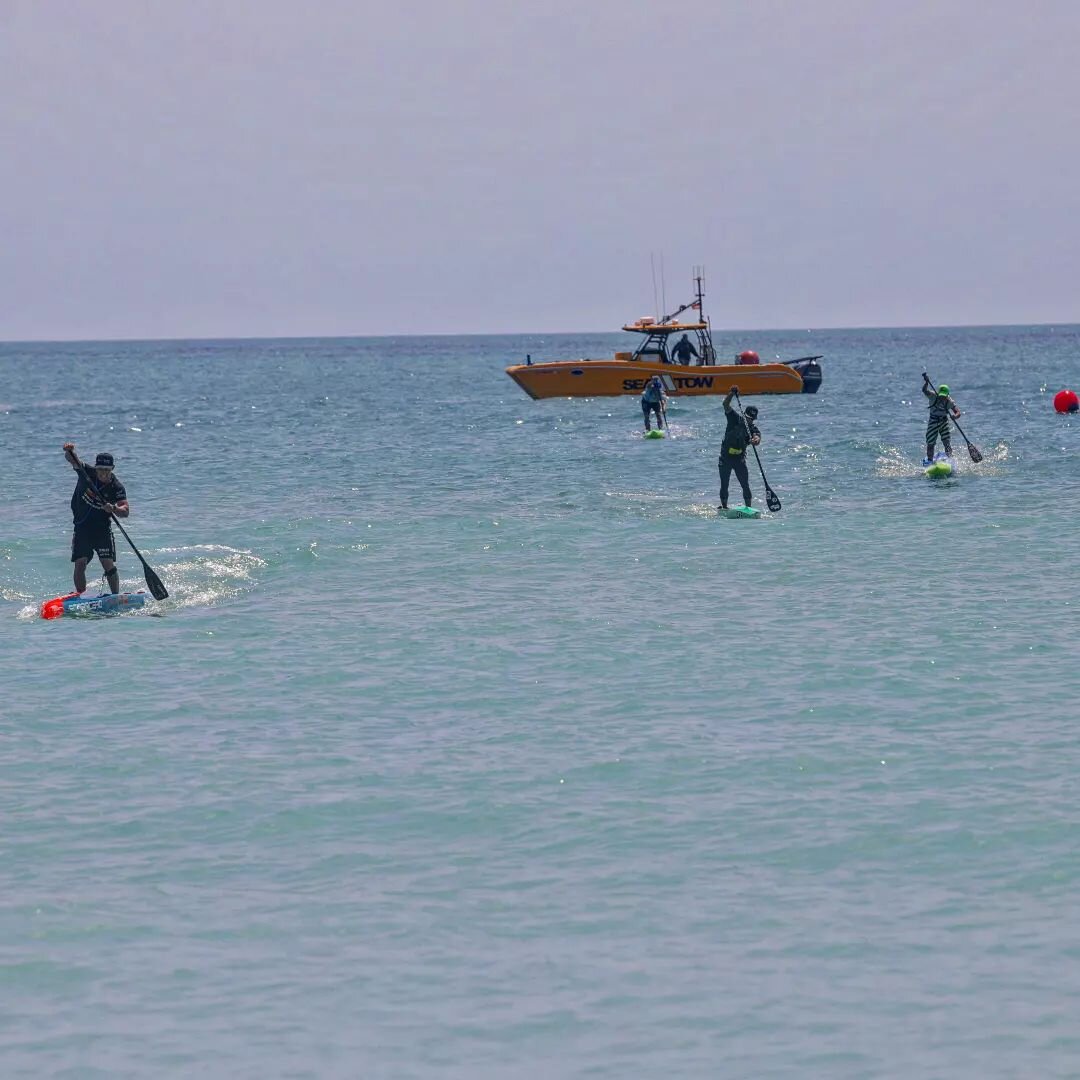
(709, 350)
(655, 301)
(663, 285)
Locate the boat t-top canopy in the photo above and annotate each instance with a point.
(651, 326)
(656, 332)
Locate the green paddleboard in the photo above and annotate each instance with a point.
(747, 512)
(656, 433)
(938, 468)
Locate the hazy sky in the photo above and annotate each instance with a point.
(201, 168)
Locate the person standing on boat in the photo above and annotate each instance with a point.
(91, 507)
(652, 401)
(683, 350)
(739, 435)
(937, 423)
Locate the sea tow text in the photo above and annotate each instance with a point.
(682, 382)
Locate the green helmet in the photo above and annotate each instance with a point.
(943, 390)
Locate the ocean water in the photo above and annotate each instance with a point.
(471, 743)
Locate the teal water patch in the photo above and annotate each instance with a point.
(470, 742)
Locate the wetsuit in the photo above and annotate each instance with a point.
(652, 401)
(93, 533)
(937, 423)
(733, 454)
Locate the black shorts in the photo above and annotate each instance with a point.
(86, 543)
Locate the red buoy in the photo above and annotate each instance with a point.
(749, 357)
(1066, 401)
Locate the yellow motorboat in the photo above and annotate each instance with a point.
(684, 371)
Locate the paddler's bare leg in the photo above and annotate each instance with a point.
(112, 575)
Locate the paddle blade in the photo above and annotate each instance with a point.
(771, 500)
(976, 455)
(154, 584)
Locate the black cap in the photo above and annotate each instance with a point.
(751, 411)
(103, 461)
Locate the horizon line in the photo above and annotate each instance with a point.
(516, 333)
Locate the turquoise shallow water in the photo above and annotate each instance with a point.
(472, 743)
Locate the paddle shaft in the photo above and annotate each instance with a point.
(973, 450)
(152, 579)
(771, 498)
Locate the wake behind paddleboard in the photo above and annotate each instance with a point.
(939, 468)
(744, 512)
(654, 434)
(82, 604)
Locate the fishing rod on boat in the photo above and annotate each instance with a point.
(772, 500)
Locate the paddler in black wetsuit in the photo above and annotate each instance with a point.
(90, 510)
(733, 449)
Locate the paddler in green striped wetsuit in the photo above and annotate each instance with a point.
(937, 423)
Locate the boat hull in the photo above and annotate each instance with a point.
(613, 378)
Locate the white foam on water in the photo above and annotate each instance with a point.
(203, 574)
